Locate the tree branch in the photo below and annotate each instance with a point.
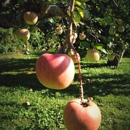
(14, 19)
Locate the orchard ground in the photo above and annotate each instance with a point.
(26, 105)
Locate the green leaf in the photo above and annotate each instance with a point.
(85, 44)
(80, 4)
(80, 12)
(104, 51)
(76, 18)
(117, 35)
(98, 46)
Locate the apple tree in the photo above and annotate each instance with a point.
(98, 24)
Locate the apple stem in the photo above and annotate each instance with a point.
(79, 76)
(70, 46)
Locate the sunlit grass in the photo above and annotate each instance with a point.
(109, 88)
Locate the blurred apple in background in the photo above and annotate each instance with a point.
(111, 57)
(23, 34)
(82, 36)
(93, 55)
(58, 30)
(121, 28)
(112, 30)
(30, 18)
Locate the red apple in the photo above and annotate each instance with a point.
(59, 30)
(79, 116)
(23, 34)
(82, 36)
(55, 71)
(111, 57)
(30, 17)
(93, 55)
(121, 28)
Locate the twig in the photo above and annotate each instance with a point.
(115, 3)
(79, 76)
(70, 46)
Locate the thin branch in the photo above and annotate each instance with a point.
(70, 46)
(115, 3)
(70, 26)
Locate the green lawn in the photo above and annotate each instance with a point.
(109, 87)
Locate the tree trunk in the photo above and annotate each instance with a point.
(117, 59)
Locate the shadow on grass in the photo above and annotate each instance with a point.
(21, 72)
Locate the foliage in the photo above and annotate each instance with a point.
(108, 87)
(9, 42)
(101, 17)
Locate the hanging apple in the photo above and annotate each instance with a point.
(23, 34)
(55, 71)
(54, 36)
(30, 18)
(121, 28)
(82, 36)
(93, 55)
(75, 57)
(73, 37)
(111, 57)
(35, 29)
(75, 34)
(112, 30)
(79, 116)
(58, 30)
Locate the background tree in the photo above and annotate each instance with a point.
(104, 22)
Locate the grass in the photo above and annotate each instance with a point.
(109, 87)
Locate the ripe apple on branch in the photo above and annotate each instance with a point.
(58, 30)
(23, 34)
(82, 36)
(30, 17)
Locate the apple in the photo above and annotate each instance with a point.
(77, 116)
(35, 29)
(82, 36)
(54, 36)
(55, 71)
(75, 57)
(30, 18)
(112, 30)
(73, 38)
(93, 55)
(121, 28)
(23, 34)
(58, 30)
(71, 52)
(75, 34)
(111, 57)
